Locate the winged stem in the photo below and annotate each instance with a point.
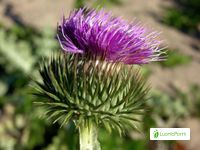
(88, 136)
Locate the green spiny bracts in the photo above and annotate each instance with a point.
(80, 89)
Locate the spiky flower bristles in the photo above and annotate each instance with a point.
(96, 32)
(75, 88)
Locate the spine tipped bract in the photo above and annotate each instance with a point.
(75, 88)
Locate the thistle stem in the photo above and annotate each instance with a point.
(88, 136)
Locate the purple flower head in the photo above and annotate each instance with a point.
(99, 33)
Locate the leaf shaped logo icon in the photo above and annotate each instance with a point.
(156, 134)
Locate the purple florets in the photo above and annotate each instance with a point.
(99, 33)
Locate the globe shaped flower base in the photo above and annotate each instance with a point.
(91, 92)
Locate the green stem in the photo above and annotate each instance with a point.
(88, 136)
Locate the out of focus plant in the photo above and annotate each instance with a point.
(79, 3)
(16, 55)
(96, 3)
(175, 59)
(20, 50)
(172, 108)
(168, 109)
(185, 16)
(114, 142)
(19, 130)
(190, 100)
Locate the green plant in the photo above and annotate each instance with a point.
(20, 50)
(168, 109)
(114, 142)
(184, 16)
(17, 53)
(175, 59)
(97, 3)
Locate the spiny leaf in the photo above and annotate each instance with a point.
(67, 118)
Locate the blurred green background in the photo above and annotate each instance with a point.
(27, 35)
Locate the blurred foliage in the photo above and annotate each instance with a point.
(169, 111)
(115, 142)
(185, 16)
(165, 110)
(20, 50)
(79, 3)
(175, 59)
(24, 47)
(192, 100)
(19, 53)
(96, 3)
(145, 71)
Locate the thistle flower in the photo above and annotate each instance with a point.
(99, 33)
(102, 90)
